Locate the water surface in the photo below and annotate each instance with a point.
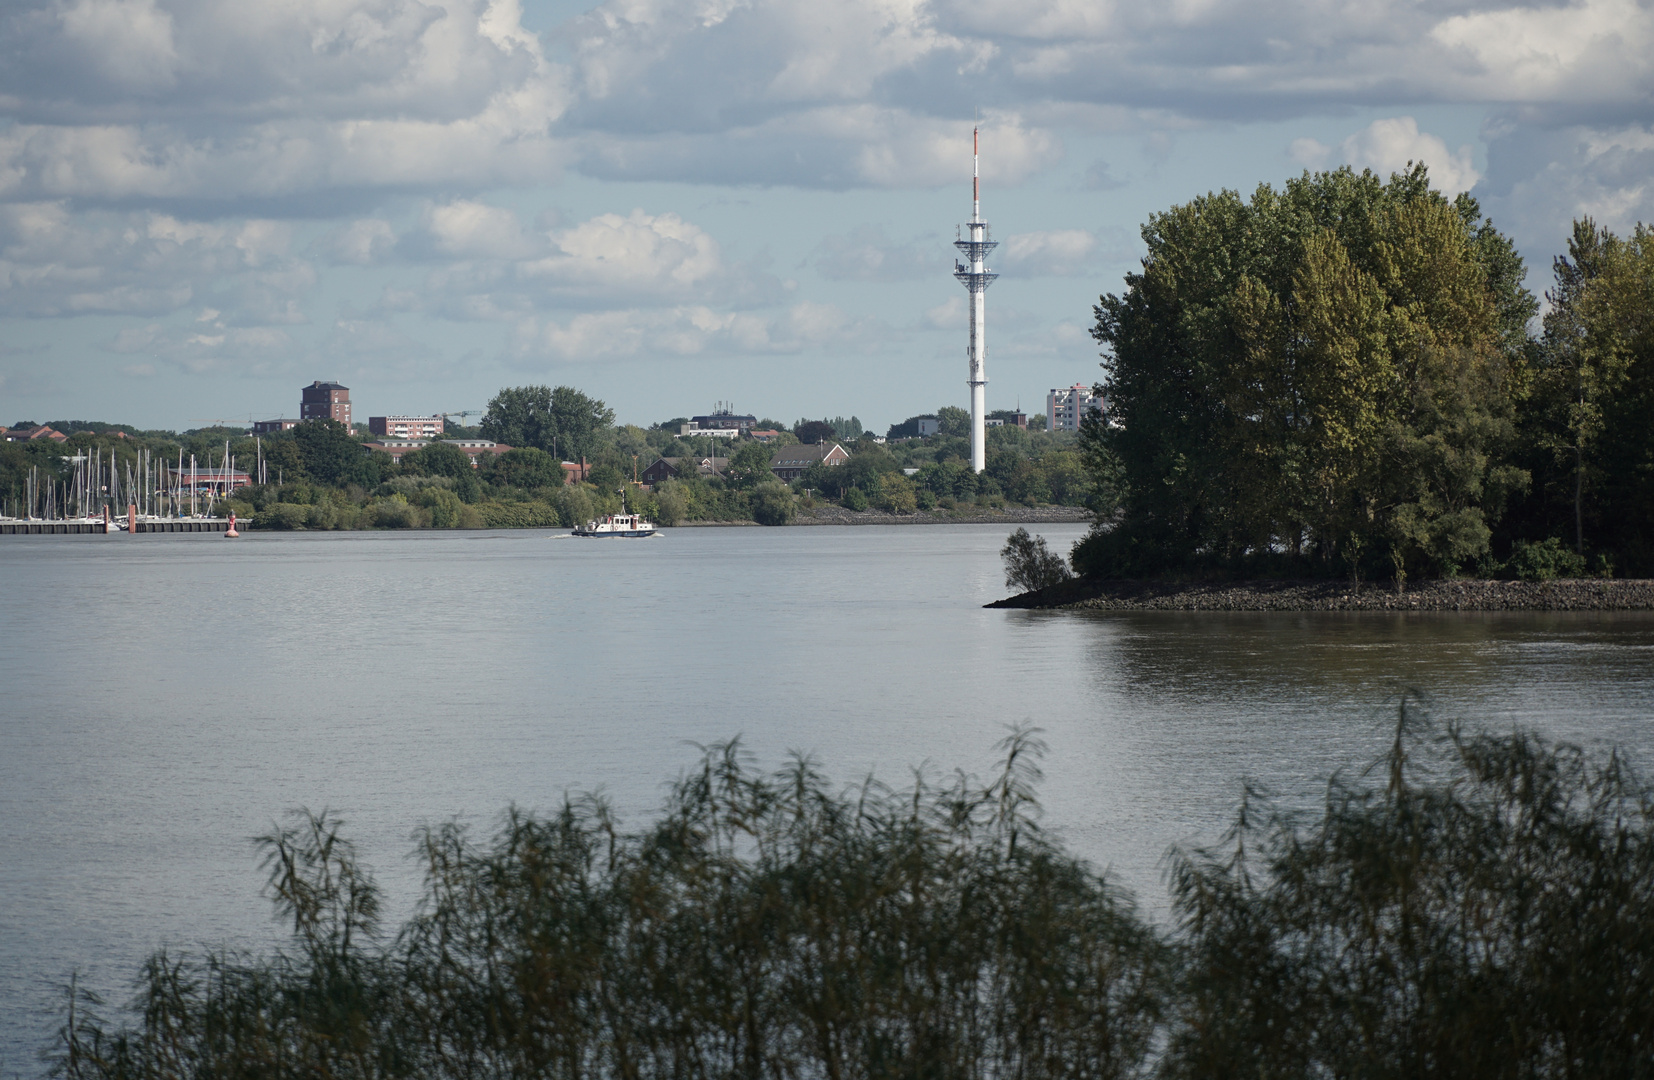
(164, 698)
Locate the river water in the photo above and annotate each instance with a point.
(165, 698)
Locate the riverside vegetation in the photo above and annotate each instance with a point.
(1470, 906)
(1342, 378)
(324, 478)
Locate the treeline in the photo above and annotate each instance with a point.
(1342, 378)
(320, 476)
(1472, 906)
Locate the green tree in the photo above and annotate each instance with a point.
(331, 456)
(563, 421)
(814, 431)
(1327, 371)
(1587, 351)
(772, 503)
(952, 420)
(526, 467)
(750, 464)
(437, 459)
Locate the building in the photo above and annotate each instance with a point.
(477, 450)
(791, 462)
(1066, 408)
(271, 427)
(694, 428)
(213, 480)
(29, 434)
(764, 435)
(406, 427)
(928, 425)
(722, 418)
(325, 400)
(667, 467)
(575, 472)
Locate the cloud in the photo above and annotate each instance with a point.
(1386, 146)
(54, 262)
(362, 242)
(212, 349)
(1055, 253)
(866, 254)
(475, 230)
(684, 331)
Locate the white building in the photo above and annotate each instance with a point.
(1065, 408)
(928, 426)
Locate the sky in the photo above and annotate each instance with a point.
(204, 206)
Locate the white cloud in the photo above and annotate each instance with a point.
(1310, 153)
(1386, 146)
(476, 230)
(1054, 253)
(683, 331)
(54, 262)
(866, 254)
(130, 39)
(362, 242)
(656, 254)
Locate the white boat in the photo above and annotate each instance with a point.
(617, 525)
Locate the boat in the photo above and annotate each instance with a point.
(621, 524)
(617, 525)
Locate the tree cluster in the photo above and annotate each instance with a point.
(1324, 377)
(1473, 906)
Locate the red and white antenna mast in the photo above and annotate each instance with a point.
(976, 277)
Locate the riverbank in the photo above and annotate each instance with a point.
(976, 515)
(1588, 594)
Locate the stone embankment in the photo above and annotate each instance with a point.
(1588, 594)
(976, 515)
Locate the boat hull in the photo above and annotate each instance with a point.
(615, 532)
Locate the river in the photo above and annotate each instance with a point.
(165, 698)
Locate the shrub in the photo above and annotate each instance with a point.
(1030, 565)
(282, 516)
(1545, 560)
(772, 503)
(521, 515)
(898, 494)
(671, 503)
(855, 500)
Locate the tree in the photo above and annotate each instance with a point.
(1588, 349)
(1324, 374)
(525, 467)
(331, 456)
(952, 420)
(750, 464)
(1029, 564)
(772, 503)
(562, 421)
(437, 459)
(814, 431)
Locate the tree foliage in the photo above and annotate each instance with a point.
(1030, 565)
(562, 421)
(1326, 373)
(1593, 394)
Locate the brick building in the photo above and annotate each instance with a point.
(406, 427)
(328, 400)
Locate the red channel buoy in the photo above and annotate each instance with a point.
(230, 533)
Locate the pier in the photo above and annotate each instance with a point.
(60, 527)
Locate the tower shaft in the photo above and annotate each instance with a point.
(976, 277)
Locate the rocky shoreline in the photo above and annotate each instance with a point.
(1588, 594)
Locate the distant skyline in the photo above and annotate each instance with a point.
(204, 207)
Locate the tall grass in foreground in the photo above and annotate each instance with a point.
(1473, 906)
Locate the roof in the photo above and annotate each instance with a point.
(795, 456)
(672, 462)
(319, 385)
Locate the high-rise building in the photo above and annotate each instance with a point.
(1067, 407)
(325, 400)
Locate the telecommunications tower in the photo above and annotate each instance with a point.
(974, 275)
